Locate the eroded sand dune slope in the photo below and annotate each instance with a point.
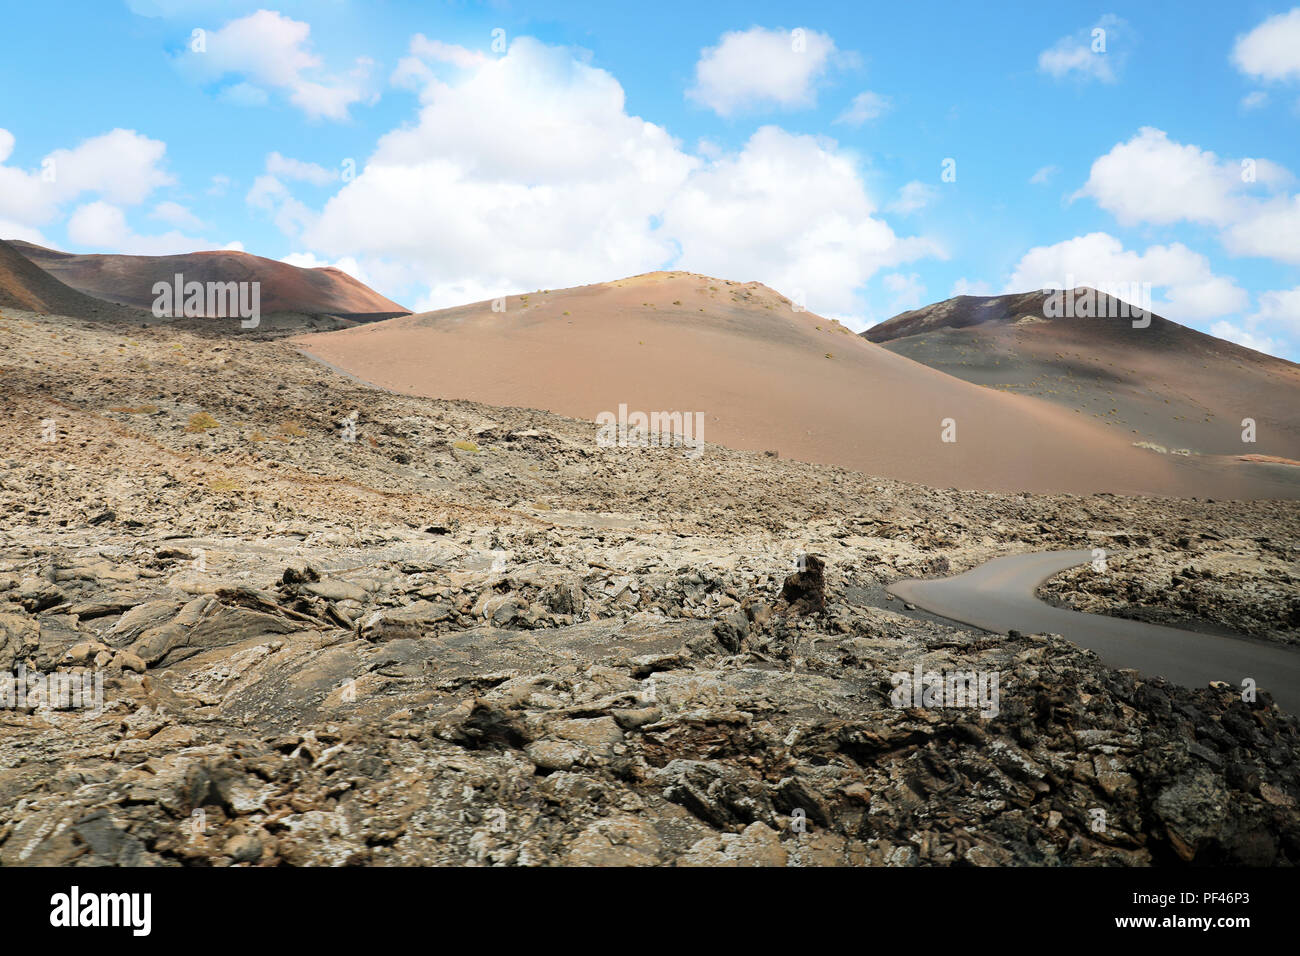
(766, 378)
(1158, 382)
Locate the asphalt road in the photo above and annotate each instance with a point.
(999, 596)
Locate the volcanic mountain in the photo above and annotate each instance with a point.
(23, 285)
(1155, 382)
(284, 288)
(765, 377)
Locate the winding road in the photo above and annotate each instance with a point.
(999, 596)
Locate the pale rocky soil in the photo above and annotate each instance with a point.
(397, 650)
(1243, 585)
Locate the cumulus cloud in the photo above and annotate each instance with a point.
(964, 286)
(120, 166)
(792, 212)
(268, 50)
(549, 182)
(1235, 333)
(101, 225)
(1191, 291)
(313, 173)
(1280, 308)
(1093, 53)
(269, 193)
(1152, 179)
(913, 196)
(760, 68)
(17, 230)
(1270, 229)
(175, 214)
(441, 52)
(348, 264)
(907, 291)
(1271, 51)
(865, 107)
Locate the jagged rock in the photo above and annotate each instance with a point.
(805, 591)
(20, 636)
(37, 594)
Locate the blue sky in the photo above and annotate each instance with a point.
(400, 142)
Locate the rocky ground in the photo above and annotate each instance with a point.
(340, 626)
(1240, 585)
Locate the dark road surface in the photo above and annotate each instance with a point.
(999, 596)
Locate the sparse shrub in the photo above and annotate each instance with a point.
(202, 422)
(292, 430)
(465, 444)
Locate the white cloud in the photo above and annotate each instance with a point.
(175, 214)
(313, 173)
(101, 225)
(266, 192)
(1153, 179)
(1280, 308)
(269, 50)
(964, 286)
(1254, 100)
(244, 94)
(6, 144)
(348, 264)
(290, 215)
(908, 291)
(792, 212)
(1271, 51)
(1270, 229)
(1191, 291)
(913, 196)
(866, 106)
(1235, 333)
(440, 52)
(414, 72)
(760, 68)
(16, 230)
(1091, 53)
(548, 183)
(1044, 174)
(120, 166)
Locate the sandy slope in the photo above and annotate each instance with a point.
(766, 378)
(285, 288)
(1165, 384)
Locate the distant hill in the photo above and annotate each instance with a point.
(284, 288)
(765, 377)
(1164, 384)
(23, 285)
